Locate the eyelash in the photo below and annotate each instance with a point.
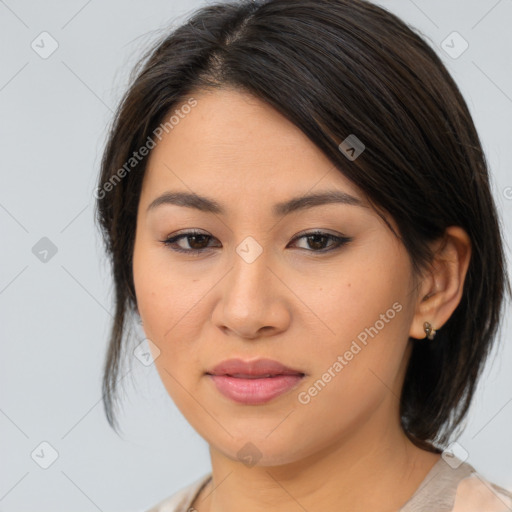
(171, 241)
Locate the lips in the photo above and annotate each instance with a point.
(254, 382)
(258, 369)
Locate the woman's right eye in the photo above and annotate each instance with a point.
(194, 239)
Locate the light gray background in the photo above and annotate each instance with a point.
(55, 315)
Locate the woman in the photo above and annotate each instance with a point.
(297, 206)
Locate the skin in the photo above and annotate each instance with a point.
(345, 449)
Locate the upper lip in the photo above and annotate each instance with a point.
(258, 367)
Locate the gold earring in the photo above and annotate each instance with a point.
(429, 330)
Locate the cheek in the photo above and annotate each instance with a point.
(357, 372)
(173, 312)
(368, 315)
(171, 323)
(367, 292)
(160, 295)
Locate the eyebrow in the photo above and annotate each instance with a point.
(205, 204)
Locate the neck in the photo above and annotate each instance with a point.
(376, 467)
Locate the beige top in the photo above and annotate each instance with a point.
(453, 487)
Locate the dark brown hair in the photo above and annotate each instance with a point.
(334, 68)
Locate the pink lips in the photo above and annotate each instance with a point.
(253, 382)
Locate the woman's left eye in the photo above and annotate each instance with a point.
(314, 239)
(318, 238)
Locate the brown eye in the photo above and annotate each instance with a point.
(316, 241)
(197, 241)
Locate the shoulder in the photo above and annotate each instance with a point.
(181, 500)
(475, 493)
(455, 486)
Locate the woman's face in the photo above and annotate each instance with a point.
(252, 286)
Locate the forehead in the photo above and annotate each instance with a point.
(232, 140)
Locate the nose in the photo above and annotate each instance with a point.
(253, 298)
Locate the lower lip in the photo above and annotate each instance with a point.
(254, 391)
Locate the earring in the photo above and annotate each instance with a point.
(429, 330)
